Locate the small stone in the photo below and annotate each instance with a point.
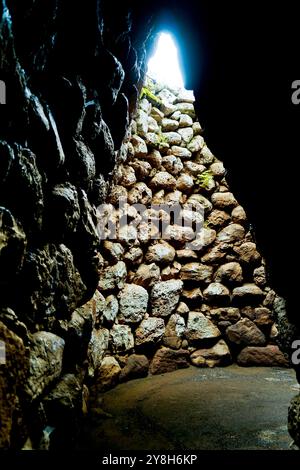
(111, 309)
(225, 314)
(133, 302)
(107, 374)
(192, 296)
(178, 235)
(172, 138)
(167, 95)
(97, 349)
(200, 201)
(165, 297)
(199, 327)
(185, 183)
(139, 146)
(152, 125)
(121, 338)
(168, 360)
(186, 255)
(231, 234)
(181, 152)
(157, 114)
(113, 277)
(134, 255)
(193, 168)
(238, 215)
(146, 275)
(140, 194)
(182, 309)
(196, 272)
(259, 276)
(172, 164)
(268, 356)
(245, 332)
(116, 194)
(247, 294)
(196, 144)
(205, 157)
(217, 169)
(163, 180)
(185, 121)
(155, 159)
(215, 255)
(150, 331)
(217, 218)
(186, 108)
(185, 96)
(141, 168)
(218, 355)
(230, 273)
(137, 367)
(186, 134)
(169, 125)
(174, 332)
(216, 293)
(197, 129)
(142, 123)
(113, 251)
(248, 253)
(224, 200)
(263, 317)
(161, 253)
(205, 237)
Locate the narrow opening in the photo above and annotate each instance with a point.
(164, 65)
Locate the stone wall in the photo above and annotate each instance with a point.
(193, 294)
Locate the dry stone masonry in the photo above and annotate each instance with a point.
(169, 299)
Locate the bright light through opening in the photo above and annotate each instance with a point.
(163, 66)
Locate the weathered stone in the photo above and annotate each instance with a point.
(133, 302)
(215, 255)
(186, 134)
(185, 96)
(113, 251)
(126, 176)
(172, 164)
(163, 180)
(140, 194)
(136, 367)
(165, 297)
(218, 219)
(245, 332)
(116, 194)
(259, 276)
(247, 294)
(262, 356)
(185, 183)
(218, 355)
(146, 275)
(216, 293)
(142, 122)
(157, 114)
(205, 157)
(141, 168)
(186, 255)
(172, 138)
(111, 309)
(179, 235)
(134, 255)
(199, 328)
(181, 152)
(168, 360)
(121, 338)
(185, 120)
(161, 253)
(97, 349)
(193, 297)
(197, 129)
(294, 419)
(174, 331)
(196, 272)
(155, 159)
(45, 362)
(262, 317)
(231, 234)
(150, 331)
(193, 168)
(217, 169)
(166, 95)
(224, 200)
(228, 314)
(139, 146)
(238, 215)
(169, 125)
(196, 144)
(182, 309)
(127, 235)
(200, 200)
(186, 108)
(205, 237)
(248, 253)
(113, 277)
(107, 374)
(230, 273)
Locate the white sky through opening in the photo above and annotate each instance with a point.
(164, 66)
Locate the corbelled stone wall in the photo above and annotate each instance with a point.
(190, 294)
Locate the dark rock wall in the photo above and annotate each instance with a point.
(72, 75)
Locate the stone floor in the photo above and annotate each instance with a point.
(196, 409)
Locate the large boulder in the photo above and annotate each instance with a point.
(229, 273)
(262, 356)
(200, 328)
(121, 338)
(245, 332)
(149, 332)
(136, 367)
(133, 302)
(169, 360)
(218, 355)
(165, 297)
(248, 294)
